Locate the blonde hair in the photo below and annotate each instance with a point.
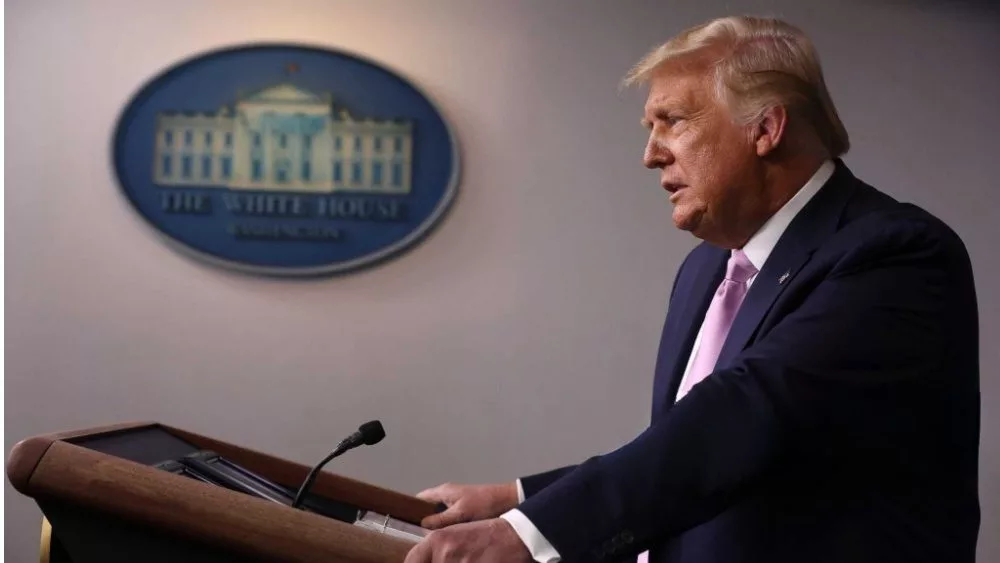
(758, 63)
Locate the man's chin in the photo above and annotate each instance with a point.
(685, 220)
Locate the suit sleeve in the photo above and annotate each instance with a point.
(863, 350)
(532, 484)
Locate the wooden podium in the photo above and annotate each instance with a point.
(107, 500)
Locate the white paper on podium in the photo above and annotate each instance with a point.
(390, 526)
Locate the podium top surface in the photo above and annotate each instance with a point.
(111, 469)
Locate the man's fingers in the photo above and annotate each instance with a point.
(441, 493)
(421, 553)
(432, 522)
(451, 516)
(477, 542)
(431, 495)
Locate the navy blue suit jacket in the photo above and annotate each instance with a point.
(841, 423)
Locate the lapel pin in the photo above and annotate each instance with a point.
(784, 277)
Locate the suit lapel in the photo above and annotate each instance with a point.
(810, 228)
(777, 274)
(691, 299)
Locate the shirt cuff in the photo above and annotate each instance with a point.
(540, 548)
(520, 492)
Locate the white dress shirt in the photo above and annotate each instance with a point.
(757, 250)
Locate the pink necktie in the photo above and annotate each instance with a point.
(719, 319)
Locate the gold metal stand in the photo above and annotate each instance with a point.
(43, 551)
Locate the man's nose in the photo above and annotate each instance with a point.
(656, 155)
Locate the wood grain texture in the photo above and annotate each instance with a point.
(332, 486)
(23, 460)
(25, 455)
(186, 507)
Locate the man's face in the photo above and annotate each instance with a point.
(706, 160)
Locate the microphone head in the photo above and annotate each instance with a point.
(372, 432)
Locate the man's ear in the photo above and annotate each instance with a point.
(770, 130)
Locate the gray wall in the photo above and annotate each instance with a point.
(522, 334)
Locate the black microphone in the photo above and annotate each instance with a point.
(368, 434)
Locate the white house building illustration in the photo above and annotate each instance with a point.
(283, 139)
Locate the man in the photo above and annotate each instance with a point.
(816, 393)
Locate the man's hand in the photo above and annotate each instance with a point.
(490, 541)
(467, 503)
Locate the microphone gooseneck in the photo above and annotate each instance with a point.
(370, 433)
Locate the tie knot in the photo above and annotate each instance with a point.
(740, 269)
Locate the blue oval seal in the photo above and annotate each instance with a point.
(286, 159)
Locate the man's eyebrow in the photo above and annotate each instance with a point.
(646, 123)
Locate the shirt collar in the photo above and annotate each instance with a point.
(760, 245)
